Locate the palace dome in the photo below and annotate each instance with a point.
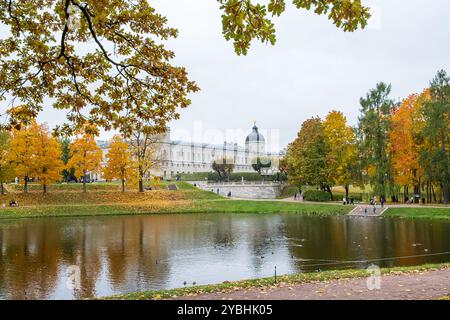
(255, 136)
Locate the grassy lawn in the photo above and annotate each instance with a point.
(270, 282)
(419, 213)
(248, 206)
(106, 199)
(68, 200)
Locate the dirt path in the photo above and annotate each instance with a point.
(424, 285)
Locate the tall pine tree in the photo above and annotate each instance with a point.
(374, 123)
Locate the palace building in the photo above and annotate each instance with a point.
(175, 157)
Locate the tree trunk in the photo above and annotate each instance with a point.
(45, 188)
(2, 188)
(445, 193)
(25, 185)
(346, 191)
(84, 181)
(433, 193)
(329, 191)
(141, 180)
(123, 185)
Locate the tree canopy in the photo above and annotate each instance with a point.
(307, 156)
(245, 20)
(224, 167)
(85, 157)
(119, 163)
(374, 125)
(395, 146)
(104, 61)
(101, 61)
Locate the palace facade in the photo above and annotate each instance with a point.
(175, 157)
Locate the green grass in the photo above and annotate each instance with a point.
(249, 206)
(419, 213)
(298, 278)
(104, 201)
(176, 206)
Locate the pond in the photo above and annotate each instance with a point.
(67, 258)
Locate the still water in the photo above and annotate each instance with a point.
(112, 255)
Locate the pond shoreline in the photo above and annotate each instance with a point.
(170, 207)
(208, 206)
(107, 200)
(222, 290)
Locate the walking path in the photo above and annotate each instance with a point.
(405, 286)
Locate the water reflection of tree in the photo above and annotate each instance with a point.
(353, 239)
(29, 263)
(137, 253)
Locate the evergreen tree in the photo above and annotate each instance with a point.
(436, 155)
(374, 124)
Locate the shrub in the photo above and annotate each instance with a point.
(288, 191)
(316, 195)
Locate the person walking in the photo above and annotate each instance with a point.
(382, 202)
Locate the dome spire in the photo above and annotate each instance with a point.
(255, 136)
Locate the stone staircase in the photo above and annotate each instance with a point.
(244, 191)
(367, 211)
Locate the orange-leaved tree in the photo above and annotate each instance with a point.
(21, 154)
(47, 157)
(405, 142)
(85, 156)
(119, 164)
(142, 146)
(342, 149)
(6, 167)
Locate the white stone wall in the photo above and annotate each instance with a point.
(244, 191)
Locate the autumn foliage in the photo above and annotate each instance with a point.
(119, 163)
(85, 156)
(401, 150)
(47, 157)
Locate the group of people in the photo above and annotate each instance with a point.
(348, 200)
(373, 201)
(298, 196)
(13, 203)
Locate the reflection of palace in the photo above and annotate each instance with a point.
(175, 157)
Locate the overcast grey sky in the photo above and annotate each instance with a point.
(313, 68)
